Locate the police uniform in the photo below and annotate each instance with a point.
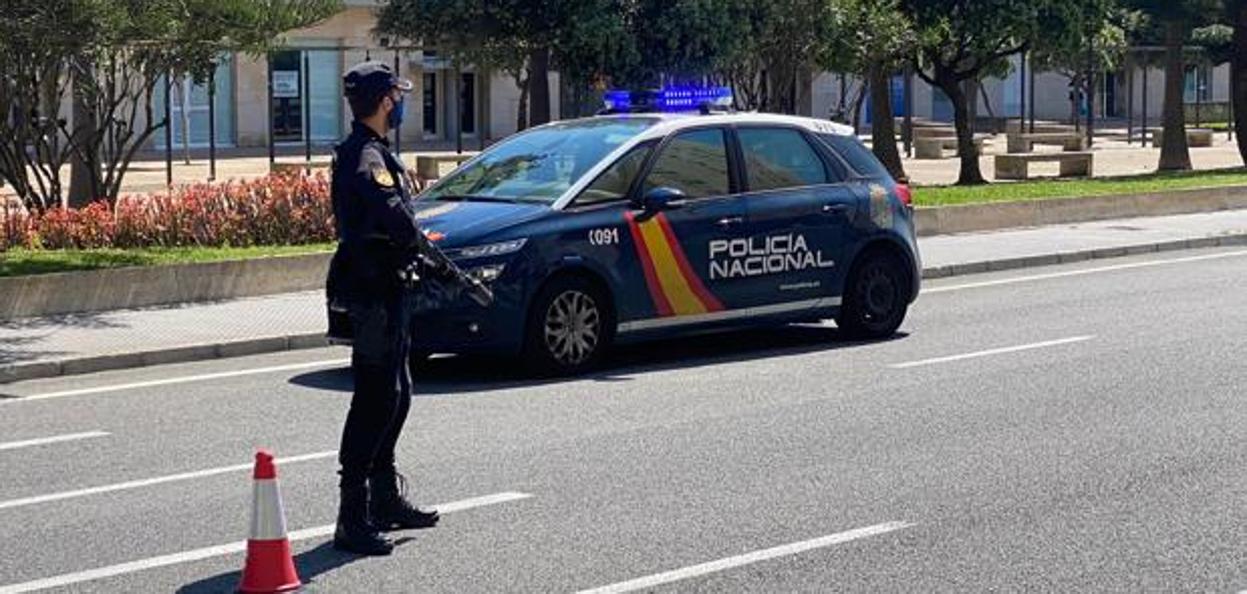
(373, 277)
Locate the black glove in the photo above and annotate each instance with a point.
(479, 293)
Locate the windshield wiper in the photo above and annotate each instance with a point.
(475, 198)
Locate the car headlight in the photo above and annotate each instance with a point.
(490, 249)
(487, 274)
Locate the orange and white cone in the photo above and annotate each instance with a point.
(270, 567)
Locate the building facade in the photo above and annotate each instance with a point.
(305, 102)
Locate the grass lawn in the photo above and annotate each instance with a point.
(1077, 188)
(23, 262)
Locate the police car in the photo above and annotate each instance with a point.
(651, 219)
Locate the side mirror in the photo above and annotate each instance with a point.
(661, 198)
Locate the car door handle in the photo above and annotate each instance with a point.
(729, 221)
(835, 208)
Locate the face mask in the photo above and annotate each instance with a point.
(396, 114)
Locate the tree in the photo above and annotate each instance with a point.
(521, 37)
(1094, 45)
(1177, 18)
(107, 56)
(878, 40)
(1236, 16)
(961, 40)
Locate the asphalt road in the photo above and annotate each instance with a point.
(1075, 428)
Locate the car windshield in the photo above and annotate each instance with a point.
(538, 165)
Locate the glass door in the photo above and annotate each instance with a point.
(467, 103)
(306, 80)
(189, 111)
(429, 104)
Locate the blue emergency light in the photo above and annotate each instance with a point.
(669, 99)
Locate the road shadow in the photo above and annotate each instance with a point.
(310, 564)
(471, 374)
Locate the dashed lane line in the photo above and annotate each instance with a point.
(225, 549)
(990, 352)
(13, 399)
(795, 548)
(13, 445)
(170, 478)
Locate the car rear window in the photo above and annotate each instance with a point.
(855, 154)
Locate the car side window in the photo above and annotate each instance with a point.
(694, 163)
(613, 183)
(777, 158)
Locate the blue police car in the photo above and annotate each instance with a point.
(650, 220)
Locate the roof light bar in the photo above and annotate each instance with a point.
(668, 99)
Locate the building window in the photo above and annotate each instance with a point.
(190, 117)
(1198, 84)
(306, 80)
(467, 103)
(429, 104)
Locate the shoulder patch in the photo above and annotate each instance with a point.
(382, 176)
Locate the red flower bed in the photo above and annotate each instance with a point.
(274, 210)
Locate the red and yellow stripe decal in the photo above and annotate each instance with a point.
(673, 284)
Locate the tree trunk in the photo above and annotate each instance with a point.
(1175, 155)
(858, 100)
(83, 173)
(1238, 76)
(882, 132)
(539, 86)
(521, 112)
(970, 173)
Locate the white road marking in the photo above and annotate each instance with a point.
(1085, 271)
(179, 380)
(225, 549)
(13, 445)
(989, 352)
(745, 559)
(159, 480)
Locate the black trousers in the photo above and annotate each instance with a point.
(382, 397)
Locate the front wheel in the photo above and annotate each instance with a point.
(876, 297)
(570, 327)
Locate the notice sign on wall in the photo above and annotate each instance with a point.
(285, 84)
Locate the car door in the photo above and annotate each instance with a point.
(800, 218)
(675, 245)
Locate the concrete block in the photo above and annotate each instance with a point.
(307, 341)
(186, 354)
(101, 363)
(20, 372)
(253, 346)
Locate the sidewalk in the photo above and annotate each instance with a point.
(65, 345)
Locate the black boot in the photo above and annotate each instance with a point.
(389, 509)
(354, 533)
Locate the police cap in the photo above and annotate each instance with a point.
(368, 80)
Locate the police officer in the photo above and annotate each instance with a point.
(381, 255)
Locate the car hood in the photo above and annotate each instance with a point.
(463, 223)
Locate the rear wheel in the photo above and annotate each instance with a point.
(876, 296)
(570, 327)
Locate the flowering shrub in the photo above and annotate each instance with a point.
(16, 227)
(274, 210)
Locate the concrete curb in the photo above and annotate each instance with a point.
(937, 272)
(180, 354)
(272, 344)
(942, 220)
(131, 288)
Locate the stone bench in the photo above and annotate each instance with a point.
(933, 132)
(1017, 166)
(432, 165)
(1195, 137)
(1015, 127)
(933, 147)
(1025, 142)
(296, 166)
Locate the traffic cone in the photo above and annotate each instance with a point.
(269, 568)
